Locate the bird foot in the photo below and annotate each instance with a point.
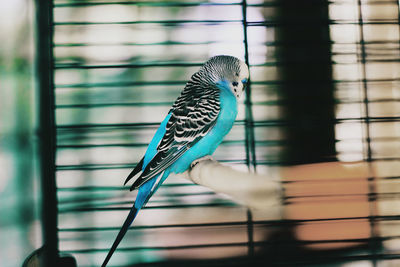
(195, 162)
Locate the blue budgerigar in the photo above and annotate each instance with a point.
(194, 127)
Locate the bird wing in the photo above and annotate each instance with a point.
(193, 115)
(135, 171)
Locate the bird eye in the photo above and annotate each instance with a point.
(235, 83)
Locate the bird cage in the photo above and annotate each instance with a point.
(324, 87)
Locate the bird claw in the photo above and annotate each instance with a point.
(195, 162)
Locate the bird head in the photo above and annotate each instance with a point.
(227, 72)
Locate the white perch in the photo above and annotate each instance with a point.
(263, 191)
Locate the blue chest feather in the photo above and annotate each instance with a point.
(210, 142)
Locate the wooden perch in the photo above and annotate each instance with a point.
(262, 191)
(252, 190)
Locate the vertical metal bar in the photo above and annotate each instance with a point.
(363, 61)
(398, 20)
(371, 180)
(249, 129)
(47, 133)
(249, 121)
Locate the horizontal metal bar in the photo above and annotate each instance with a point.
(128, 65)
(270, 23)
(371, 58)
(92, 201)
(113, 125)
(143, 227)
(190, 64)
(365, 3)
(177, 206)
(339, 120)
(336, 197)
(207, 3)
(94, 250)
(114, 166)
(202, 3)
(256, 243)
(79, 190)
(147, 3)
(255, 103)
(91, 188)
(368, 80)
(136, 22)
(121, 84)
(276, 23)
(366, 61)
(225, 224)
(273, 43)
(121, 104)
(84, 202)
(226, 142)
(92, 167)
(84, 146)
(78, 146)
(286, 222)
(195, 64)
(178, 83)
(238, 122)
(95, 166)
(166, 43)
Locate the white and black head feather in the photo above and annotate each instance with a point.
(225, 71)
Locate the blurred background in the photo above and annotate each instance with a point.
(20, 228)
(324, 87)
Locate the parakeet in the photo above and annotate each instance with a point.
(193, 128)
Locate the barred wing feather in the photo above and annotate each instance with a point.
(193, 115)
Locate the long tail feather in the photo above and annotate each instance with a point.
(144, 194)
(128, 221)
